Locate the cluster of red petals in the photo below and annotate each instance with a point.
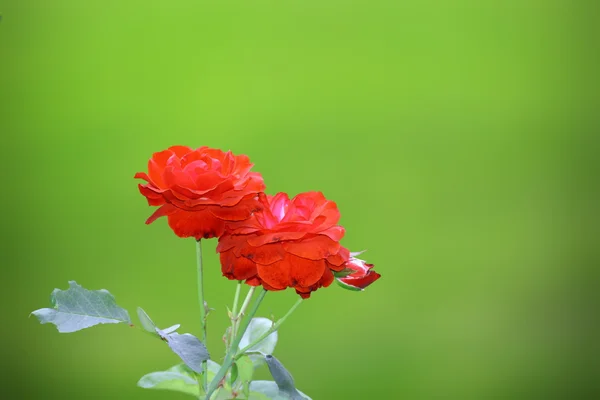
(289, 243)
(362, 276)
(200, 191)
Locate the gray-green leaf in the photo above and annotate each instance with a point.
(283, 378)
(271, 391)
(146, 321)
(189, 348)
(151, 327)
(179, 378)
(77, 308)
(256, 328)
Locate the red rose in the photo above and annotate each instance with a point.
(289, 243)
(200, 190)
(362, 276)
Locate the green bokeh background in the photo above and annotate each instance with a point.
(458, 138)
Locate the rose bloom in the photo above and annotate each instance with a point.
(200, 190)
(362, 276)
(289, 243)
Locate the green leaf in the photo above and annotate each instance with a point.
(271, 391)
(233, 375)
(257, 396)
(179, 378)
(77, 308)
(245, 370)
(222, 393)
(256, 328)
(189, 348)
(246, 388)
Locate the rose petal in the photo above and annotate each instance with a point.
(237, 268)
(154, 199)
(167, 209)
(196, 156)
(327, 279)
(315, 248)
(174, 176)
(267, 254)
(266, 286)
(257, 241)
(339, 260)
(197, 224)
(242, 165)
(142, 175)
(254, 281)
(252, 183)
(227, 164)
(227, 242)
(335, 233)
(361, 282)
(180, 151)
(360, 266)
(239, 212)
(276, 275)
(157, 164)
(209, 197)
(303, 292)
(279, 205)
(305, 272)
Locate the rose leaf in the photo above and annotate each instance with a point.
(77, 308)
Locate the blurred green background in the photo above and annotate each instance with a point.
(459, 140)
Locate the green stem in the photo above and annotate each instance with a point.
(272, 329)
(243, 310)
(234, 345)
(234, 315)
(202, 310)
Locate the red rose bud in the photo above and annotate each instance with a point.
(200, 191)
(289, 243)
(356, 275)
